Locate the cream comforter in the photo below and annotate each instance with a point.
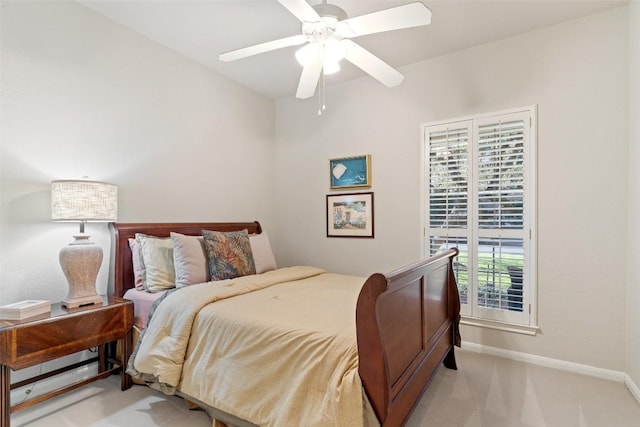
(275, 349)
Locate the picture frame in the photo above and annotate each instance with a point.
(350, 172)
(350, 215)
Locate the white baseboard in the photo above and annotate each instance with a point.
(550, 363)
(633, 388)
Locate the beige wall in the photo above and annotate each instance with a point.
(82, 95)
(633, 277)
(577, 74)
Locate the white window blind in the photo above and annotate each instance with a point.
(480, 199)
(448, 211)
(501, 174)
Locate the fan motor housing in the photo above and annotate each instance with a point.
(330, 10)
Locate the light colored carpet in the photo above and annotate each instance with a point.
(485, 391)
(495, 392)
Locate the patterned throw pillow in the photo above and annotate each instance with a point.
(228, 254)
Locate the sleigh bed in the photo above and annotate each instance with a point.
(406, 324)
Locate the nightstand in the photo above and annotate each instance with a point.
(28, 342)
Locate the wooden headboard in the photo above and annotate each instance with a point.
(123, 267)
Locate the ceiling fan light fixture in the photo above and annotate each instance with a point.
(334, 50)
(330, 67)
(308, 54)
(328, 53)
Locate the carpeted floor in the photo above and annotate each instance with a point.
(485, 391)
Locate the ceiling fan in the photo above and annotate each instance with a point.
(326, 35)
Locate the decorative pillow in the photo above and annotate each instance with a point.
(229, 254)
(262, 254)
(138, 267)
(190, 260)
(157, 257)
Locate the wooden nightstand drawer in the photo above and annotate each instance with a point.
(28, 342)
(43, 340)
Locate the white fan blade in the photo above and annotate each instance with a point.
(309, 80)
(301, 9)
(373, 65)
(262, 47)
(395, 18)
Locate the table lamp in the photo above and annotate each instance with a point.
(82, 201)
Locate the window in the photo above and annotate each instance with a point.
(480, 197)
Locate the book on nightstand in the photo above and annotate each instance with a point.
(23, 309)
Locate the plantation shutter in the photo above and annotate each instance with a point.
(448, 196)
(501, 175)
(480, 199)
(500, 220)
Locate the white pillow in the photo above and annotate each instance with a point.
(157, 257)
(262, 254)
(190, 260)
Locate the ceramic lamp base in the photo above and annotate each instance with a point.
(80, 262)
(78, 302)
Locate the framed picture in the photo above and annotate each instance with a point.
(350, 172)
(350, 215)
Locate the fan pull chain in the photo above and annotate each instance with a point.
(321, 95)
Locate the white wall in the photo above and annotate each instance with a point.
(577, 74)
(633, 277)
(82, 95)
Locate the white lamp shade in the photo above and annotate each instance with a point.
(81, 200)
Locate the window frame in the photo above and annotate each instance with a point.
(498, 319)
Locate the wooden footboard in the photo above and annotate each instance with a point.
(407, 324)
